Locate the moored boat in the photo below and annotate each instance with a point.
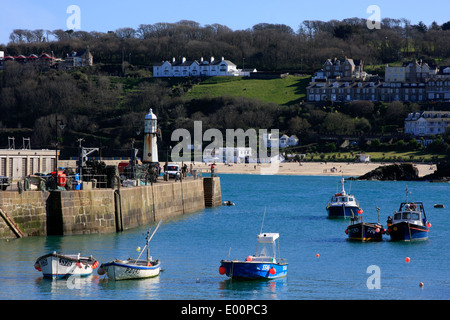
(409, 223)
(263, 265)
(130, 269)
(342, 204)
(56, 265)
(133, 268)
(364, 231)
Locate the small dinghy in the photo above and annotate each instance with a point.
(133, 268)
(55, 265)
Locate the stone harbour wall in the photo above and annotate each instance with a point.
(37, 213)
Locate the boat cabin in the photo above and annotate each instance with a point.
(342, 199)
(410, 212)
(266, 247)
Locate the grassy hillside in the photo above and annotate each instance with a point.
(285, 91)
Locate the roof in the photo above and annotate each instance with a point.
(150, 115)
(267, 237)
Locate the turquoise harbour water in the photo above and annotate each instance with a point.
(191, 247)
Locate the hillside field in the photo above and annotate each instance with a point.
(286, 91)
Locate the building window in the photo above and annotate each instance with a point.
(3, 167)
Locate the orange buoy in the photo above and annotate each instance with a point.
(222, 270)
(421, 284)
(317, 255)
(407, 259)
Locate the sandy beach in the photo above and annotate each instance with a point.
(310, 168)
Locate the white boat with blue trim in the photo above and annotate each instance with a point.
(56, 265)
(133, 268)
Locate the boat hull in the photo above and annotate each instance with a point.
(57, 266)
(253, 270)
(125, 270)
(405, 231)
(342, 211)
(365, 232)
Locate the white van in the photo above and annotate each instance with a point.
(173, 170)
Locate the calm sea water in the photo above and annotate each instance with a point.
(190, 248)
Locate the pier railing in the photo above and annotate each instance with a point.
(91, 181)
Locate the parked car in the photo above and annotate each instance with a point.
(173, 170)
(4, 183)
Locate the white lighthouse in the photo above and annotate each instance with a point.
(150, 131)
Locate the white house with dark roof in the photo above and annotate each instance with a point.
(194, 68)
(427, 123)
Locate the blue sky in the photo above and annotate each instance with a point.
(236, 14)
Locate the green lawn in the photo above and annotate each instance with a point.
(287, 91)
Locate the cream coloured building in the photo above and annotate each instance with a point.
(18, 163)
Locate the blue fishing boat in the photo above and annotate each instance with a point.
(409, 223)
(342, 205)
(263, 265)
(364, 231)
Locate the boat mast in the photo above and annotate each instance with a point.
(342, 190)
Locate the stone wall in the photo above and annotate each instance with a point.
(72, 212)
(28, 210)
(212, 192)
(87, 211)
(143, 205)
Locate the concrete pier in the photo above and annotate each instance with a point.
(41, 213)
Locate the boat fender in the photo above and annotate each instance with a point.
(272, 271)
(249, 258)
(37, 266)
(101, 271)
(79, 264)
(429, 225)
(95, 265)
(346, 231)
(222, 270)
(377, 230)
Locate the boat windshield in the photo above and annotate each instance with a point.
(407, 215)
(265, 250)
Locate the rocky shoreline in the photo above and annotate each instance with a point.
(407, 172)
